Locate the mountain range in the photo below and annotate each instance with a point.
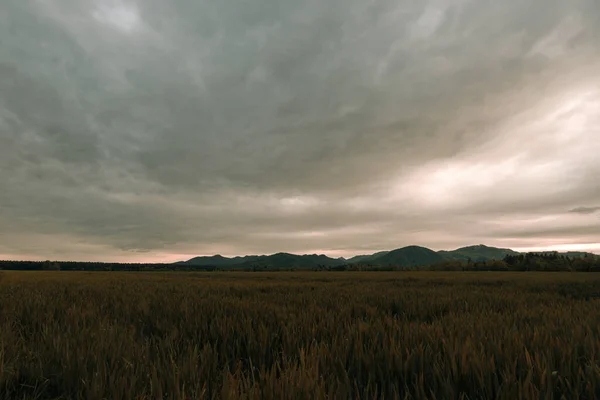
(410, 256)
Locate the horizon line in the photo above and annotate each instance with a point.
(545, 249)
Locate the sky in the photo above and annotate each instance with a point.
(156, 131)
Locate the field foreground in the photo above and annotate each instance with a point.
(69, 335)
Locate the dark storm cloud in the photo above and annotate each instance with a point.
(193, 127)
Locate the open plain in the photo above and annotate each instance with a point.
(95, 335)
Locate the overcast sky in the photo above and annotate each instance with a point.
(159, 130)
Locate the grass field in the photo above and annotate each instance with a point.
(69, 335)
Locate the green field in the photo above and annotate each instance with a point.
(70, 335)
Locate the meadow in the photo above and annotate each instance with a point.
(299, 335)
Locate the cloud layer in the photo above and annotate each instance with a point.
(156, 130)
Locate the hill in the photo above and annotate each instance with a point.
(273, 261)
(287, 260)
(410, 256)
(365, 258)
(218, 261)
(476, 253)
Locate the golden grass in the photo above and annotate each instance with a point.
(69, 335)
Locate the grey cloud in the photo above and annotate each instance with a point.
(584, 210)
(177, 127)
(588, 232)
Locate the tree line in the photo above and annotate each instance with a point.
(95, 266)
(552, 261)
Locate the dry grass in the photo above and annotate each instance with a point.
(299, 335)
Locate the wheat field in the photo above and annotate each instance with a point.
(299, 335)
